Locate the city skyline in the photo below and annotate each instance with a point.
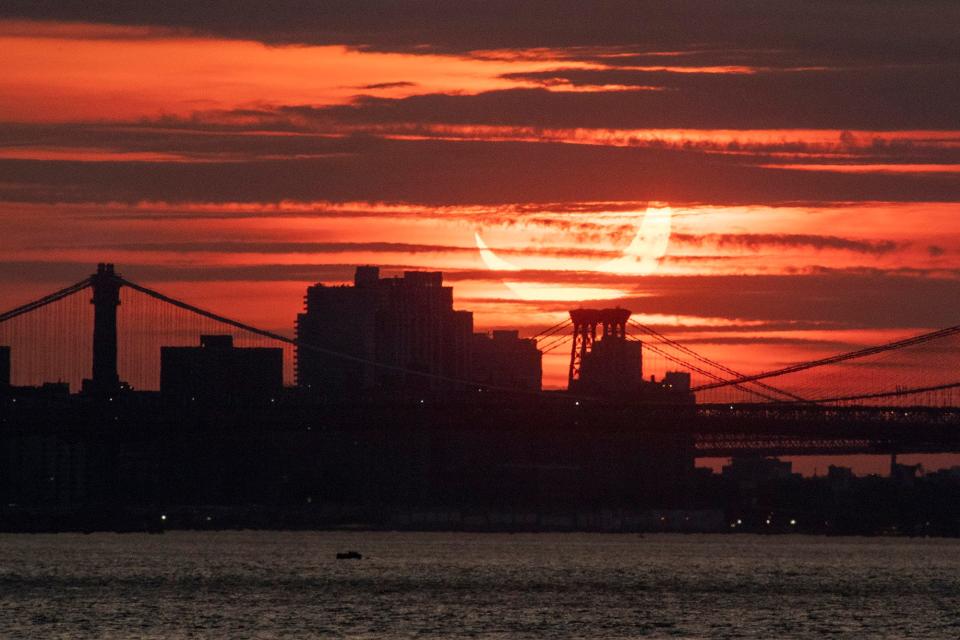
(770, 186)
(486, 318)
(399, 339)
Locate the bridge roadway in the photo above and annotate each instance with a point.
(715, 429)
(726, 430)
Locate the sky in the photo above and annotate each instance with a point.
(768, 181)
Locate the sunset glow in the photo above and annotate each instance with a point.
(685, 182)
(479, 318)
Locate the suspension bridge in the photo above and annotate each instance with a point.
(899, 396)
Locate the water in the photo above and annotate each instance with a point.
(441, 585)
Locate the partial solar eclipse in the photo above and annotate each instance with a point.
(641, 257)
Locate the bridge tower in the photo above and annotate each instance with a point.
(612, 362)
(106, 298)
(614, 323)
(585, 323)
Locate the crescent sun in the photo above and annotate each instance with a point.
(640, 257)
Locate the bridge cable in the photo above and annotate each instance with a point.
(44, 301)
(547, 337)
(701, 371)
(713, 363)
(552, 330)
(556, 343)
(887, 394)
(555, 340)
(842, 357)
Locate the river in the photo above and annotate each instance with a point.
(248, 584)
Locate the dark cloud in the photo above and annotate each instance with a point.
(817, 297)
(881, 99)
(341, 247)
(60, 273)
(838, 297)
(389, 85)
(303, 132)
(755, 241)
(697, 259)
(198, 137)
(435, 172)
(873, 98)
(284, 247)
(880, 29)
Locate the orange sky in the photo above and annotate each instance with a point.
(126, 74)
(813, 206)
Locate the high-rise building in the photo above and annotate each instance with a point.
(506, 360)
(393, 335)
(220, 375)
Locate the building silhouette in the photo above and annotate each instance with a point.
(4, 369)
(217, 374)
(502, 358)
(46, 469)
(677, 381)
(400, 336)
(754, 470)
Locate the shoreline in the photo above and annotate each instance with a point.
(446, 520)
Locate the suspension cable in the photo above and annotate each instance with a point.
(887, 394)
(550, 331)
(702, 371)
(553, 332)
(556, 343)
(713, 363)
(44, 301)
(842, 357)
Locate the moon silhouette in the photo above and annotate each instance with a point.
(640, 257)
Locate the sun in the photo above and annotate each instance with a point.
(641, 257)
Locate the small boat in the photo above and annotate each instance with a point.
(349, 555)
